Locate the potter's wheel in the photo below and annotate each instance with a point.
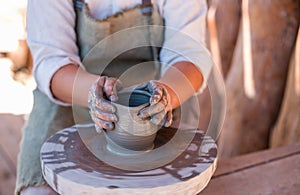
(70, 168)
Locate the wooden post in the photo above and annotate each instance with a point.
(287, 128)
(250, 116)
(228, 15)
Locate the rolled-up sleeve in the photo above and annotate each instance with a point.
(185, 36)
(52, 40)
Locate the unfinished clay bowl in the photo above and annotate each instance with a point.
(131, 132)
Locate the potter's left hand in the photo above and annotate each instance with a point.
(102, 112)
(160, 109)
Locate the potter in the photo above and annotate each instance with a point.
(96, 41)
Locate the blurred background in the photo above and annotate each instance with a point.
(16, 85)
(255, 45)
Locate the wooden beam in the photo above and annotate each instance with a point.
(275, 171)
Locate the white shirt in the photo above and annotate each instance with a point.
(52, 39)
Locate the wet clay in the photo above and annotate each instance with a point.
(70, 168)
(131, 132)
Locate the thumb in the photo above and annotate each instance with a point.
(117, 87)
(157, 93)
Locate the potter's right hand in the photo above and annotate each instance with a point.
(160, 108)
(102, 111)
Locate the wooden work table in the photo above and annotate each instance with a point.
(273, 171)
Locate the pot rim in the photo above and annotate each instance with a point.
(130, 91)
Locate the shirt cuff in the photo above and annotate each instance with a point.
(44, 72)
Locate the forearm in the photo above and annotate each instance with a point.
(182, 79)
(71, 84)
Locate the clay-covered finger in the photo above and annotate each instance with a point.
(110, 88)
(169, 119)
(99, 87)
(97, 126)
(104, 124)
(157, 93)
(98, 129)
(117, 87)
(104, 105)
(108, 125)
(164, 100)
(151, 110)
(158, 118)
(110, 117)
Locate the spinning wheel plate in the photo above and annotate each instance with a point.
(70, 167)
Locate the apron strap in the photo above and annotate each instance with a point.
(146, 7)
(78, 4)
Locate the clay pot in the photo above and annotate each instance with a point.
(131, 132)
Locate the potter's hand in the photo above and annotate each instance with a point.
(160, 109)
(102, 111)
